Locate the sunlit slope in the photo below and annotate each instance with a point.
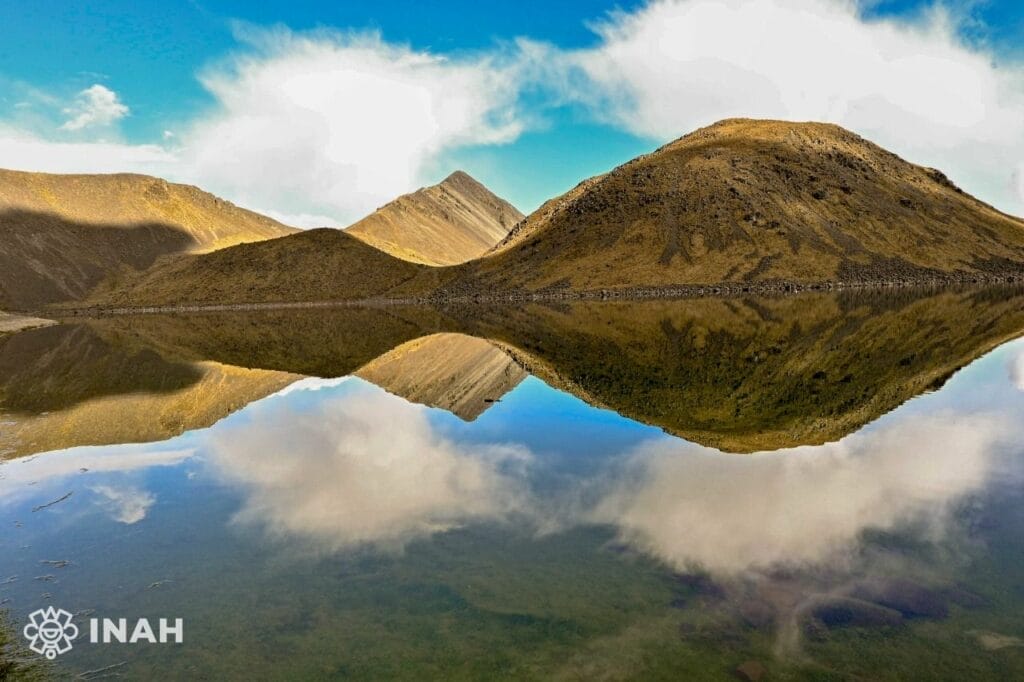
(454, 221)
(458, 373)
(749, 201)
(61, 234)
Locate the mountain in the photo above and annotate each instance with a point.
(451, 222)
(315, 265)
(748, 201)
(754, 205)
(737, 374)
(61, 234)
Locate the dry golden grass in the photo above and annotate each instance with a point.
(451, 222)
(315, 265)
(61, 234)
(750, 201)
(741, 202)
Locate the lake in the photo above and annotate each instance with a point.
(821, 486)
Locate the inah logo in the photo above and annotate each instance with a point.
(50, 632)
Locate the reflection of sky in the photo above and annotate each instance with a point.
(350, 465)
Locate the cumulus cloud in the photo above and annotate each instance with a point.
(366, 469)
(97, 105)
(50, 467)
(322, 127)
(125, 505)
(312, 128)
(913, 86)
(337, 124)
(692, 506)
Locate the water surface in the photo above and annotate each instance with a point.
(817, 487)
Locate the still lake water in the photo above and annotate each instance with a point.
(812, 487)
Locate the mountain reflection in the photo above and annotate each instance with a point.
(738, 375)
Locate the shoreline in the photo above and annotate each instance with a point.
(637, 293)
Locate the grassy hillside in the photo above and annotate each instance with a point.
(315, 265)
(746, 203)
(752, 201)
(451, 222)
(61, 234)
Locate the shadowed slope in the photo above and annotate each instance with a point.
(61, 234)
(66, 386)
(315, 265)
(451, 222)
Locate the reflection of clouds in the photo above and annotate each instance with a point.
(690, 505)
(125, 505)
(366, 468)
(1017, 369)
(16, 475)
(311, 384)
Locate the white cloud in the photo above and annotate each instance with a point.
(335, 125)
(1016, 367)
(312, 384)
(1018, 177)
(125, 505)
(25, 477)
(364, 469)
(689, 505)
(316, 128)
(96, 106)
(322, 127)
(24, 151)
(915, 88)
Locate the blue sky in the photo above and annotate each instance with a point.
(533, 96)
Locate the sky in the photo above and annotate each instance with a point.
(318, 112)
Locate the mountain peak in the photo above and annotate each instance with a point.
(456, 220)
(458, 177)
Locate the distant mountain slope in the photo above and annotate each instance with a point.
(315, 265)
(451, 222)
(61, 234)
(753, 201)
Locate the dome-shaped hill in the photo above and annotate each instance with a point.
(746, 201)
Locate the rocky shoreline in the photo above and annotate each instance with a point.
(681, 291)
